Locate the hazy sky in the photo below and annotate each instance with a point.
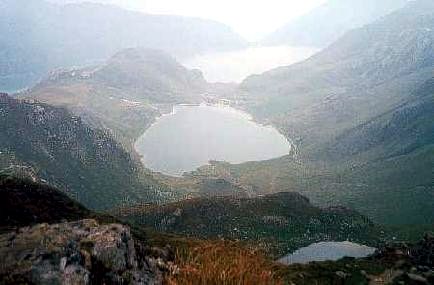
(251, 18)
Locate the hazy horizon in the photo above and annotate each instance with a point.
(261, 17)
(216, 142)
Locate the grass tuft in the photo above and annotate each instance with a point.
(223, 263)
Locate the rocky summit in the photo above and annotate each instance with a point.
(82, 252)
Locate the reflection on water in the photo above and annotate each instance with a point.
(193, 135)
(237, 65)
(323, 251)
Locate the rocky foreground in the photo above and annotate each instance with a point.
(413, 264)
(82, 252)
(394, 264)
(87, 252)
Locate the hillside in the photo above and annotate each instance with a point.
(36, 36)
(397, 151)
(57, 237)
(24, 203)
(325, 24)
(125, 93)
(360, 114)
(50, 144)
(280, 222)
(364, 74)
(411, 124)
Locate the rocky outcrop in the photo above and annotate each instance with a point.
(82, 252)
(59, 148)
(411, 264)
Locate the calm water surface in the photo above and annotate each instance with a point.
(235, 66)
(323, 251)
(193, 135)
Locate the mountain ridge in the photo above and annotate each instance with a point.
(125, 94)
(337, 106)
(83, 33)
(326, 23)
(277, 222)
(50, 144)
(391, 57)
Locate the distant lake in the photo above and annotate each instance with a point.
(235, 66)
(193, 135)
(327, 251)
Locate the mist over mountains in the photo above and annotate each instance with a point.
(361, 75)
(325, 24)
(362, 84)
(78, 203)
(38, 36)
(124, 94)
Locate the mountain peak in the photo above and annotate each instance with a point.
(328, 22)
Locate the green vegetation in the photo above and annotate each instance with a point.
(278, 223)
(25, 203)
(196, 261)
(360, 113)
(125, 94)
(50, 144)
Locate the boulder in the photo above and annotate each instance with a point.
(82, 252)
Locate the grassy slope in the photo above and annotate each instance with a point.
(360, 113)
(199, 261)
(25, 203)
(279, 223)
(396, 190)
(366, 73)
(49, 143)
(125, 94)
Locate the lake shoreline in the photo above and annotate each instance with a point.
(327, 251)
(231, 109)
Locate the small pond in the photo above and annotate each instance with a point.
(323, 251)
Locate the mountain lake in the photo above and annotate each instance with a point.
(323, 251)
(193, 135)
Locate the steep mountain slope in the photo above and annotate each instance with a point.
(24, 203)
(48, 143)
(125, 93)
(327, 23)
(37, 36)
(360, 113)
(397, 132)
(280, 222)
(366, 73)
(100, 251)
(392, 156)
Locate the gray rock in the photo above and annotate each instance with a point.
(341, 274)
(417, 278)
(82, 252)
